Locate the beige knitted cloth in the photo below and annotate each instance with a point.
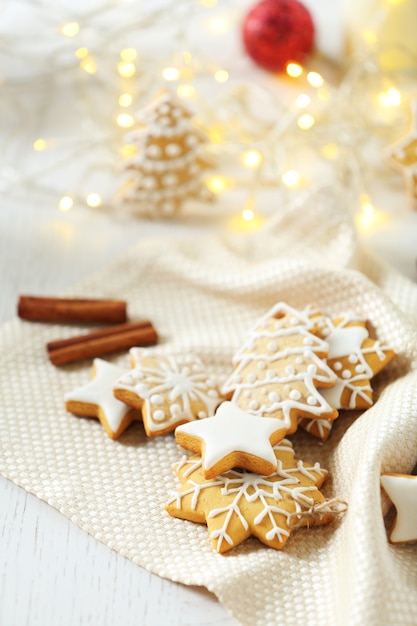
(202, 296)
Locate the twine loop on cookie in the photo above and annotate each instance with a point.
(316, 513)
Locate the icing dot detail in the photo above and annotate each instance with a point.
(251, 377)
(311, 400)
(175, 409)
(295, 394)
(353, 359)
(272, 346)
(159, 416)
(347, 374)
(261, 365)
(360, 368)
(290, 370)
(337, 366)
(273, 396)
(254, 405)
(201, 415)
(156, 398)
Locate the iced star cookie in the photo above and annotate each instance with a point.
(402, 490)
(280, 368)
(355, 358)
(233, 438)
(239, 504)
(168, 390)
(96, 399)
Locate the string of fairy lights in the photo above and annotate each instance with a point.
(104, 63)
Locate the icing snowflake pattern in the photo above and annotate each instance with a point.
(238, 504)
(173, 390)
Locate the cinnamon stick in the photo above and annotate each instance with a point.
(50, 309)
(101, 342)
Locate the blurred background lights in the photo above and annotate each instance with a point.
(302, 100)
(252, 158)
(126, 69)
(128, 54)
(171, 73)
(216, 184)
(39, 144)
(94, 200)
(124, 120)
(221, 76)
(390, 98)
(294, 70)
(218, 25)
(315, 79)
(305, 121)
(186, 91)
(66, 203)
(290, 178)
(70, 29)
(125, 99)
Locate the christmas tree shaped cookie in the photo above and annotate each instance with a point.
(238, 504)
(168, 165)
(280, 369)
(355, 358)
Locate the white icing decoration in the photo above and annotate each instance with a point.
(180, 381)
(337, 366)
(402, 490)
(156, 398)
(159, 415)
(99, 391)
(233, 430)
(248, 487)
(292, 340)
(295, 394)
(345, 341)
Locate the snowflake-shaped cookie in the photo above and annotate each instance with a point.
(168, 390)
(239, 504)
(281, 367)
(355, 358)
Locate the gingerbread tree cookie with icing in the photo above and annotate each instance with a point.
(355, 358)
(238, 504)
(233, 438)
(96, 399)
(280, 369)
(168, 390)
(167, 167)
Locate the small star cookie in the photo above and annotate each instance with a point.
(168, 390)
(402, 490)
(96, 399)
(239, 504)
(233, 438)
(281, 367)
(355, 358)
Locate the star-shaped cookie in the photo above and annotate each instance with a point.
(233, 438)
(355, 358)
(96, 399)
(239, 504)
(168, 390)
(402, 490)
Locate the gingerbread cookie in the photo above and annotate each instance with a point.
(355, 358)
(280, 369)
(402, 490)
(96, 399)
(240, 504)
(233, 438)
(168, 390)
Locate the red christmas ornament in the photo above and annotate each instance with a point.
(276, 32)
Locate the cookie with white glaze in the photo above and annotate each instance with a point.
(233, 438)
(355, 358)
(168, 390)
(280, 370)
(96, 399)
(239, 504)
